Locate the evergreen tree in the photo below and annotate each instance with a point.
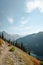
(16, 43)
(4, 39)
(13, 43)
(9, 41)
(21, 45)
(2, 35)
(24, 48)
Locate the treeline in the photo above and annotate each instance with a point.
(20, 45)
(15, 43)
(7, 40)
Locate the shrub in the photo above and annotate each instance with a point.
(1, 41)
(41, 63)
(12, 49)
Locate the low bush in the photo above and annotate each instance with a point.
(41, 63)
(1, 41)
(12, 49)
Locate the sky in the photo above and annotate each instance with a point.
(21, 17)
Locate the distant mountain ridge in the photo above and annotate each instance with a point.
(34, 42)
(11, 37)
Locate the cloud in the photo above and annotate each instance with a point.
(22, 30)
(23, 21)
(10, 20)
(31, 5)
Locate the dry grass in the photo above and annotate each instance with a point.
(21, 54)
(36, 61)
(8, 61)
(1, 41)
(41, 62)
(29, 59)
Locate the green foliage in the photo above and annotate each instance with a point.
(12, 49)
(16, 43)
(21, 45)
(41, 63)
(9, 41)
(2, 35)
(1, 42)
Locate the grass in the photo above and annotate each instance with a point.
(12, 49)
(8, 61)
(0, 52)
(29, 59)
(41, 62)
(1, 41)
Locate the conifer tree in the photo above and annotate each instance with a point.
(21, 45)
(2, 35)
(16, 43)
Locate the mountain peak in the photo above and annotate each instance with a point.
(9, 36)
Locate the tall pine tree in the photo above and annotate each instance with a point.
(2, 35)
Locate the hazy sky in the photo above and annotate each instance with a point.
(21, 16)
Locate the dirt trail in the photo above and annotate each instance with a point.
(18, 57)
(4, 52)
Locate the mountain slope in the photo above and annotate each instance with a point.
(17, 57)
(34, 42)
(11, 37)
